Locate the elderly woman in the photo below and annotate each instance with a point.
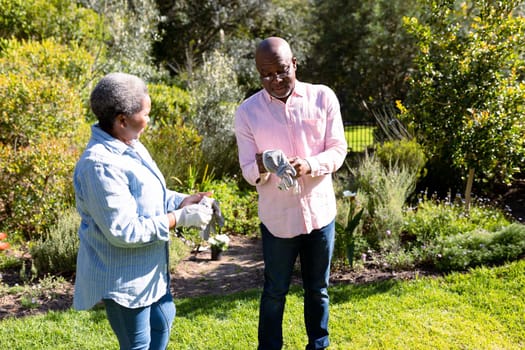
(126, 216)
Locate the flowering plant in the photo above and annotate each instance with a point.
(4, 245)
(353, 217)
(219, 241)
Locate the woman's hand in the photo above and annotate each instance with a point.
(194, 198)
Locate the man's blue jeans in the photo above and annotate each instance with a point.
(315, 253)
(142, 328)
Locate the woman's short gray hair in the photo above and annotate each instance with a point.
(117, 93)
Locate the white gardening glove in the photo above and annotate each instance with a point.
(217, 218)
(195, 215)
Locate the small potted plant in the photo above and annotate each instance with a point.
(218, 244)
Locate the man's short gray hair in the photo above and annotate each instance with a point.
(117, 93)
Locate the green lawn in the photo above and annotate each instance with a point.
(482, 309)
(359, 137)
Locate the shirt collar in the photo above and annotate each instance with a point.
(114, 145)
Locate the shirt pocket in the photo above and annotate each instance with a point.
(314, 131)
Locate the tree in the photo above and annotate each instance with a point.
(466, 97)
(128, 36)
(215, 96)
(362, 51)
(191, 28)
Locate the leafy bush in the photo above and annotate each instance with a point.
(466, 97)
(238, 206)
(63, 20)
(480, 247)
(69, 64)
(405, 153)
(443, 235)
(34, 106)
(174, 149)
(43, 129)
(382, 191)
(173, 144)
(215, 96)
(57, 252)
(35, 185)
(435, 219)
(178, 251)
(131, 27)
(170, 105)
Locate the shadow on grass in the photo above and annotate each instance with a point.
(218, 305)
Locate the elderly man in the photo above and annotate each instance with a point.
(291, 139)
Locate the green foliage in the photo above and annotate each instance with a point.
(404, 153)
(170, 105)
(466, 98)
(215, 96)
(63, 20)
(35, 185)
(173, 143)
(345, 240)
(443, 235)
(362, 42)
(238, 206)
(479, 247)
(178, 251)
(56, 253)
(174, 149)
(43, 126)
(69, 64)
(33, 106)
(383, 191)
(435, 219)
(128, 36)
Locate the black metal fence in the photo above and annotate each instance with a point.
(360, 136)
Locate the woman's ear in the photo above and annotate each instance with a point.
(121, 121)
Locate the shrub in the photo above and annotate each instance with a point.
(405, 153)
(174, 149)
(382, 191)
(480, 247)
(43, 129)
(33, 106)
(436, 219)
(63, 20)
(69, 64)
(442, 234)
(238, 206)
(178, 251)
(215, 96)
(170, 105)
(57, 252)
(35, 185)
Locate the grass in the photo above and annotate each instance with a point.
(481, 309)
(359, 137)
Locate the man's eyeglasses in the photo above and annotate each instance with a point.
(281, 76)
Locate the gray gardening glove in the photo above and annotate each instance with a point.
(276, 162)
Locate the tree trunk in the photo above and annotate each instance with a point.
(468, 189)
